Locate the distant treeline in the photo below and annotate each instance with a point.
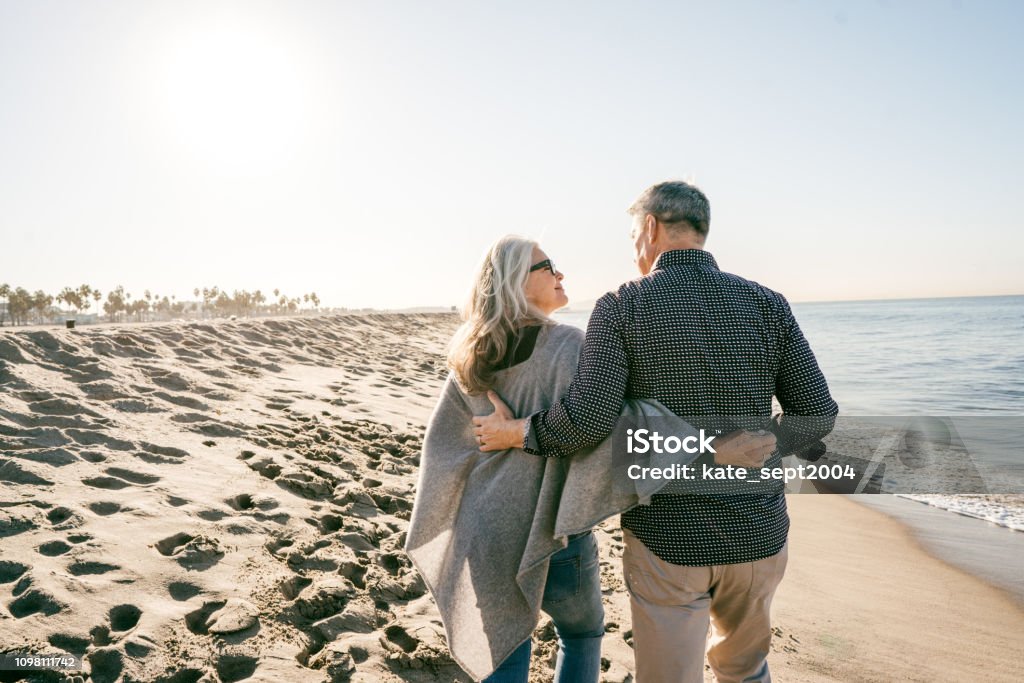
(18, 306)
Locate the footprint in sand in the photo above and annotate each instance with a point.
(221, 617)
(182, 590)
(34, 602)
(36, 437)
(306, 485)
(100, 635)
(354, 572)
(264, 466)
(101, 391)
(211, 515)
(325, 599)
(60, 407)
(139, 648)
(172, 544)
(241, 502)
(11, 571)
(168, 380)
(88, 568)
(87, 437)
(191, 552)
(329, 523)
(124, 617)
(105, 507)
(54, 457)
(278, 405)
(217, 429)
(185, 353)
(186, 418)
(131, 405)
(233, 667)
(76, 645)
(276, 545)
(14, 473)
(161, 454)
(183, 401)
(106, 665)
(400, 637)
(121, 478)
(293, 587)
(132, 476)
(63, 518)
(396, 564)
(53, 548)
(108, 483)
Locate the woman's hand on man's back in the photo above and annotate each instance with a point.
(744, 449)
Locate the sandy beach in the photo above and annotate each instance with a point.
(227, 501)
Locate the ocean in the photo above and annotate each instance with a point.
(960, 357)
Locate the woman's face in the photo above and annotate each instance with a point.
(544, 287)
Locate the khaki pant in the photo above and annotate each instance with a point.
(672, 606)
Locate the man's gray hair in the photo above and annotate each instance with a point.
(676, 204)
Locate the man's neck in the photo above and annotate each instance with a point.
(677, 245)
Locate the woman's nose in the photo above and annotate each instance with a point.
(559, 275)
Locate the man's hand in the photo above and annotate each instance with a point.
(500, 430)
(744, 449)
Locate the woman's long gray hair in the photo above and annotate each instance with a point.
(497, 306)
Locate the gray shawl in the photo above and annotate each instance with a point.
(484, 525)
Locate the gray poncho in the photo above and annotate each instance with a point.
(485, 525)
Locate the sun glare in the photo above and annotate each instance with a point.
(234, 98)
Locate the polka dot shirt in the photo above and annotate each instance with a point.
(706, 344)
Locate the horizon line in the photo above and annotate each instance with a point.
(570, 308)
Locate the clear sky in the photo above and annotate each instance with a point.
(371, 151)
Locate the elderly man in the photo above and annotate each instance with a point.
(705, 343)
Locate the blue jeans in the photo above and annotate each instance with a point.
(572, 598)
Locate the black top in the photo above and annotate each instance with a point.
(520, 346)
(703, 343)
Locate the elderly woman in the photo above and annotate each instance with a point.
(498, 537)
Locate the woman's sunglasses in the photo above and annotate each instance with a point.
(546, 263)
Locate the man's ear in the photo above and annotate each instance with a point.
(651, 228)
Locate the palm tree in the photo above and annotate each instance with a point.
(116, 302)
(18, 304)
(70, 297)
(5, 292)
(41, 302)
(96, 296)
(84, 293)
